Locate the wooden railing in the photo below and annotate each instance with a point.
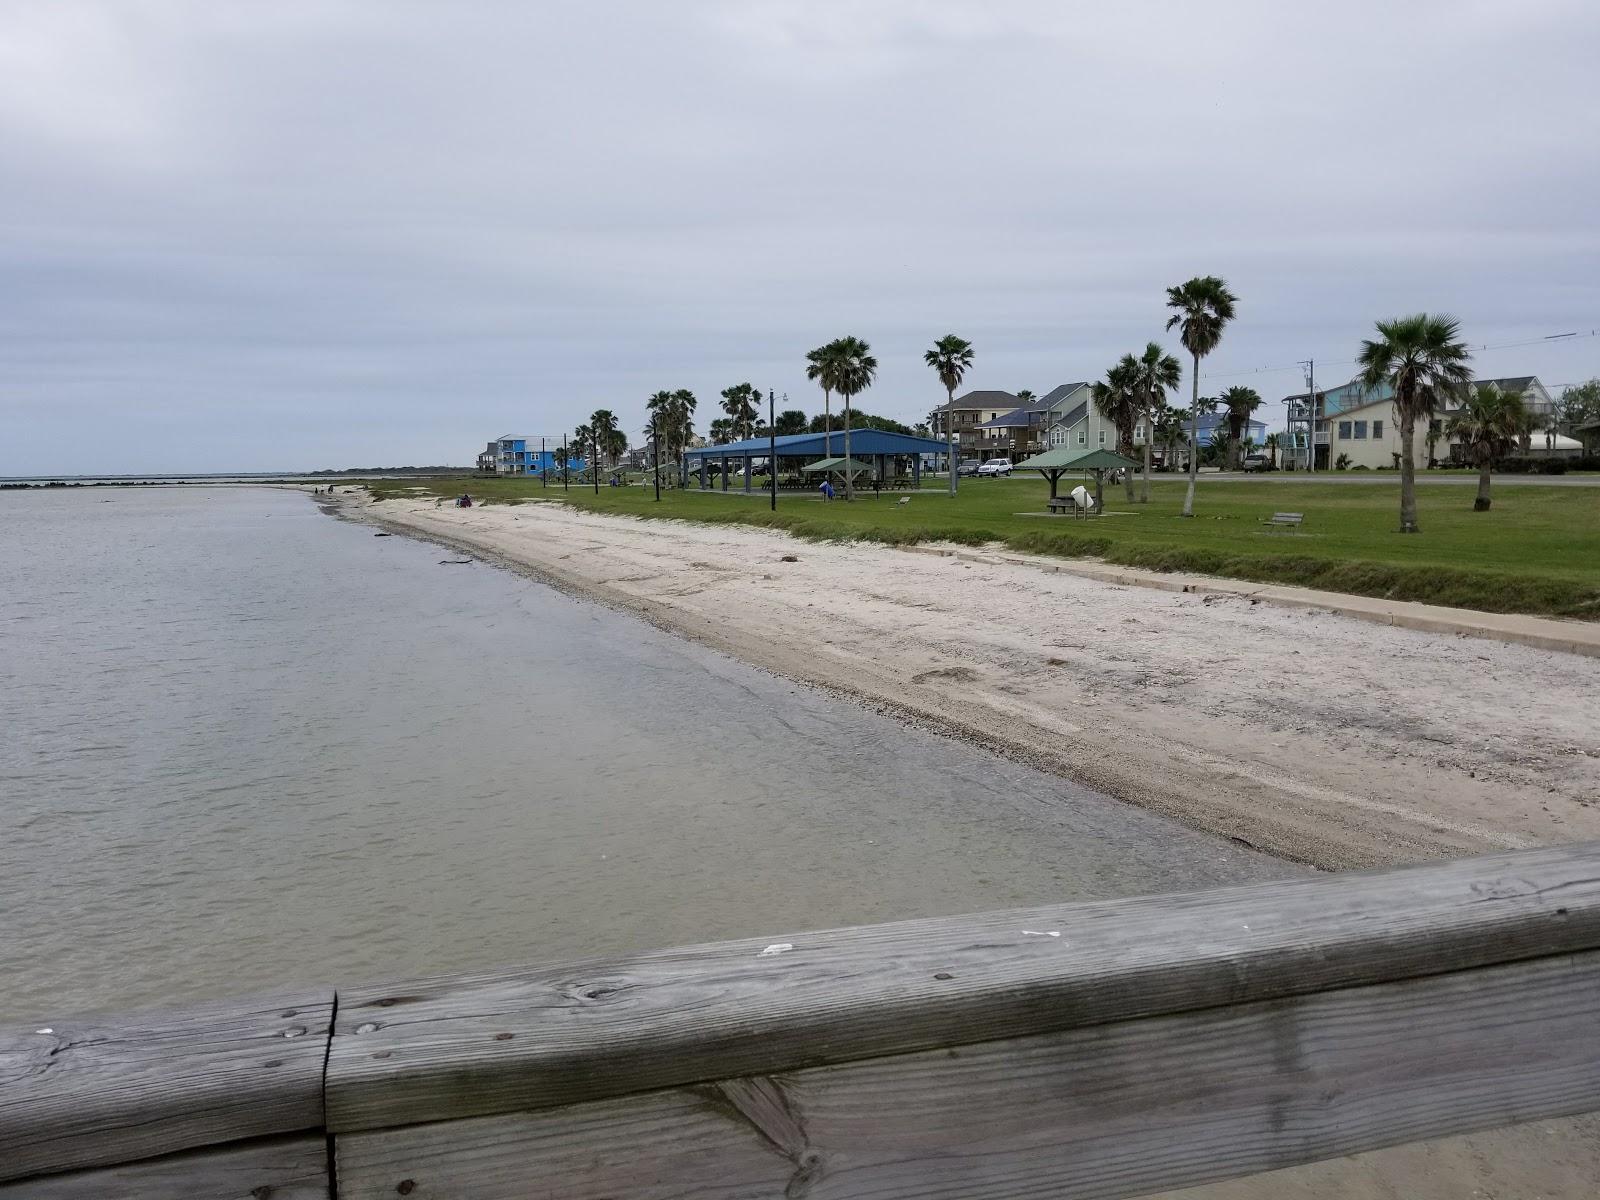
(1087, 1050)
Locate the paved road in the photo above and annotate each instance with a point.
(1389, 477)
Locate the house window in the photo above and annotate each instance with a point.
(1344, 430)
(1361, 431)
(1138, 433)
(1083, 437)
(1377, 429)
(1102, 437)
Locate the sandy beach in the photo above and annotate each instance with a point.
(1313, 736)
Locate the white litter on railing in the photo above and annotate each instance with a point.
(776, 948)
(1041, 933)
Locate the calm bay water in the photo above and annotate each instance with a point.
(242, 744)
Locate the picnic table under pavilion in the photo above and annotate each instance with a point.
(1053, 464)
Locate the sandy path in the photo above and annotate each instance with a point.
(1314, 736)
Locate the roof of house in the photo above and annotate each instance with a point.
(1077, 414)
(1060, 392)
(1017, 418)
(809, 445)
(981, 399)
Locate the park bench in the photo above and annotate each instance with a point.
(1284, 520)
(1066, 504)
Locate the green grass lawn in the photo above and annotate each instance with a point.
(1536, 551)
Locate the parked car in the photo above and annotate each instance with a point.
(1256, 462)
(996, 466)
(967, 466)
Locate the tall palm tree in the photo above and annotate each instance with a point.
(1201, 308)
(1489, 424)
(1424, 360)
(951, 359)
(1270, 445)
(720, 431)
(1154, 374)
(1025, 398)
(854, 369)
(822, 366)
(1117, 401)
(742, 404)
(1240, 403)
(1169, 429)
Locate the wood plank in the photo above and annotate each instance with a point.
(290, 1168)
(1111, 1110)
(89, 1092)
(499, 1042)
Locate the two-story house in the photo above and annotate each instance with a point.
(521, 455)
(967, 414)
(1362, 426)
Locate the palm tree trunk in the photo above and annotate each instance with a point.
(849, 475)
(1149, 436)
(1194, 441)
(950, 437)
(1408, 473)
(1125, 448)
(1485, 465)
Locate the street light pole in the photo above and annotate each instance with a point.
(594, 444)
(655, 453)
(772, 446)
(566, 457)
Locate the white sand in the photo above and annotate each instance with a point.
(1314, 736)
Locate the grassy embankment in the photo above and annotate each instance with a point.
(1536, 551)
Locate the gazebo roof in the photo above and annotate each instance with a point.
(1064, 458)
(835, 464)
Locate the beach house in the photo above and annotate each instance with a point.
(1362, 426)
(522, 455)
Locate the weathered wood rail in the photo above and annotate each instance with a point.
(1087, 1050)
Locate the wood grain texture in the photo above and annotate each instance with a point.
(289, 1168)
(1105, 1111)
(500, 1042)
(89, 1092)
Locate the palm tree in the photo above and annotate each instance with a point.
(854, 369)
(1117, 401)
(742, 403)
(1239, 402)
(721, 431)
(673, 414)
(1270, 445)
(1490, 423)
(950, 358)
(822, 368)
(1202, 308)
(1155, 373)
(1169, 428)
(1025, 398)
(1423, 359)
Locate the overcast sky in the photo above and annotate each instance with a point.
(293, 234)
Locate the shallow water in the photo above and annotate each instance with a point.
(242, 743)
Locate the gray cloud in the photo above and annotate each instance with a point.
(322, 233)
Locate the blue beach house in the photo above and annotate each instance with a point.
(521, 455)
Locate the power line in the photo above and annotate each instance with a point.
(1339, 362)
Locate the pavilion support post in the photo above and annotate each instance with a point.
(747, 474)
(1099, 490)
(724, 472)
(916, 471)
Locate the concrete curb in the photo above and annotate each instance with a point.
(1544, 633)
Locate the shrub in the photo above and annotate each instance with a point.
(1342, 463)
(1361, 467)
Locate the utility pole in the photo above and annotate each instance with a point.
(655, 448)
(544, 467)
(772, 446)
(1311, 404)
(566, 457)
(594, 444)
